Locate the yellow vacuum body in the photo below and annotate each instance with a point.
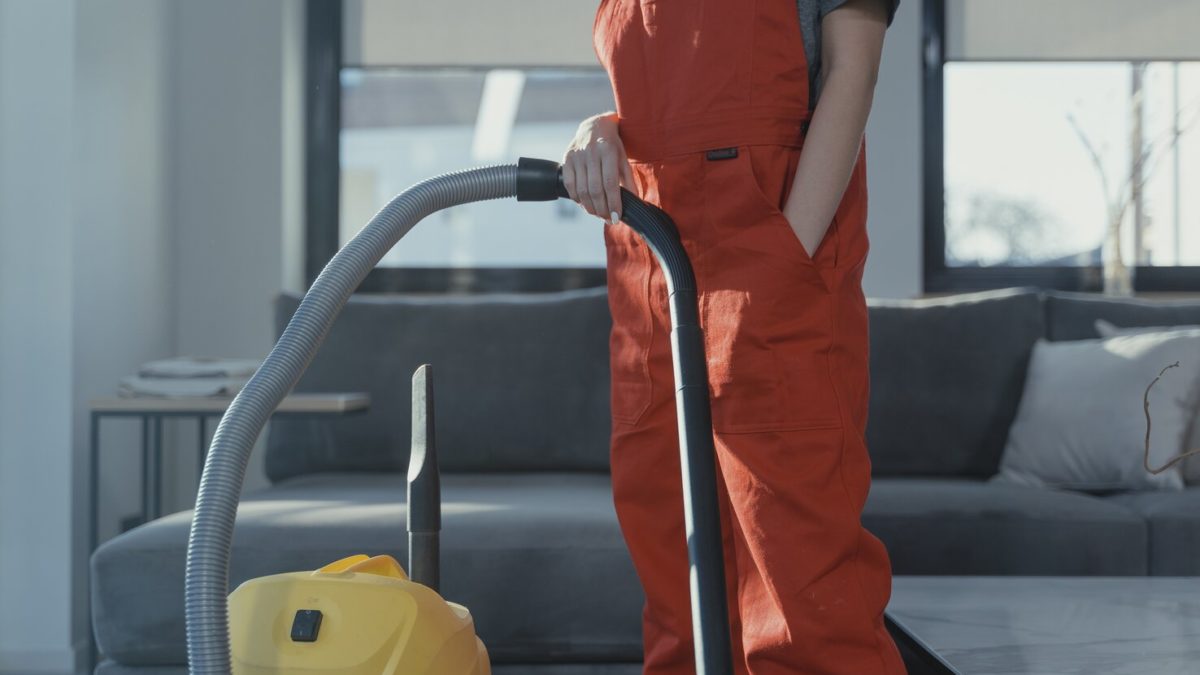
(356, 616)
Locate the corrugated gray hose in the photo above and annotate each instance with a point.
(207, 581)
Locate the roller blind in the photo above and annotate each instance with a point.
(1116, 30)
(469, 33)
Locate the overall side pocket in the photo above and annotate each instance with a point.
(769, 172)
(764, 308)
(632, 329)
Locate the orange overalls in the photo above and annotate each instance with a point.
(713, 103)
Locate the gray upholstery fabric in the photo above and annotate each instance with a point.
(1174, 522)
(946, 378)
(110, 668)
(947, 526)
(113, 668)
(538, 558)
(521, 382)
(1072, 316)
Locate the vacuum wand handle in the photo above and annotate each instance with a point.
(541, 180)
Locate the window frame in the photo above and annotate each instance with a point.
(322, 172)
(940, 278)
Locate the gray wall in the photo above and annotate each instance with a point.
(894, 163)
(232, 196)
(150, 172)
(37, 310)
(237, 164)
(121, 259)
(85, 279)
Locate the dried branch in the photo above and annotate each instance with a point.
(1097, 161)
(1152, 155)
(1146, 408)
(1158, 146)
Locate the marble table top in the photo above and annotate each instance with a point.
(1054, 625)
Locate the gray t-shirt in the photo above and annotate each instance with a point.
(811, 13)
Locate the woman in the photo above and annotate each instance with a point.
(714, 104)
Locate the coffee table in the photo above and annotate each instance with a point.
(1049, 625)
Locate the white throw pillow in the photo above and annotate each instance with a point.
(1080, 424)
(1191, 465)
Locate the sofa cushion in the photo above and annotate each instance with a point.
(1174, 526)
(538, 558)
(521, 381)
(946, 378)
(1072, 315)
(947, 526)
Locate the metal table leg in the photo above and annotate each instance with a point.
(156, 471)
(146, 508)
(203, 445)
(94, 482)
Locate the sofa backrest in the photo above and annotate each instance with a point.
(520, 383)
(521, 380)
(946, 378)
(1072, 316)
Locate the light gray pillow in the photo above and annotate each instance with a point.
(1191, 465)
(1080, 423)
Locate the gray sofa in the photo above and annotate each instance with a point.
(530, 539)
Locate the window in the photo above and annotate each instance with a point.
(1057, 133)
(420, 95)
(400, 126)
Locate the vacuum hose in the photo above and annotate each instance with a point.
(211, 537)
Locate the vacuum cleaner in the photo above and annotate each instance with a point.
(363, 615)
(388, 621)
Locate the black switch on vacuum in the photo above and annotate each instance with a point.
(306, 625)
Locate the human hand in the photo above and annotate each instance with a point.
(594, 167)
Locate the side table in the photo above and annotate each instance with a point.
(152, 411)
